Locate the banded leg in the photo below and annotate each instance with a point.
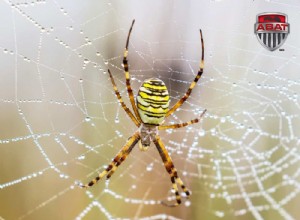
(112, 170)
(127, 110)
(127, 75)
(121, 160)
(171, 170)
(189, 91)
(175, 126)
(123, 153)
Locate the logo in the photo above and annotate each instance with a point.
(271, 29)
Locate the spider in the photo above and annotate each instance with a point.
(151, 108)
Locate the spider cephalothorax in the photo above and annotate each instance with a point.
(147, 133)
(151, 107)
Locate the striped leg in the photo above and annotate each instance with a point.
(127, 75)
(112, 171)
(175, 126)
(127, 110)
(171, 170)
(189, 91)
(121, 160)
(121, 156)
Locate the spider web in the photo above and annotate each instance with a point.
(61, 122)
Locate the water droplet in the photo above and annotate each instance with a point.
(187, 203)
(87, 119)
(201, 133)
(82, 157)
(219, 214)
(149, 167)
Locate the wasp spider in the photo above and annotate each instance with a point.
(150, 108)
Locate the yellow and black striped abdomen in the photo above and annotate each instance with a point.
(153, 101)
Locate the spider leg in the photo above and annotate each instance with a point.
(189, 91)
(171, 170)
(112, 170)
(175, 126)
(120, 157)
(121, 160)
(127, 75)
(127, 110)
